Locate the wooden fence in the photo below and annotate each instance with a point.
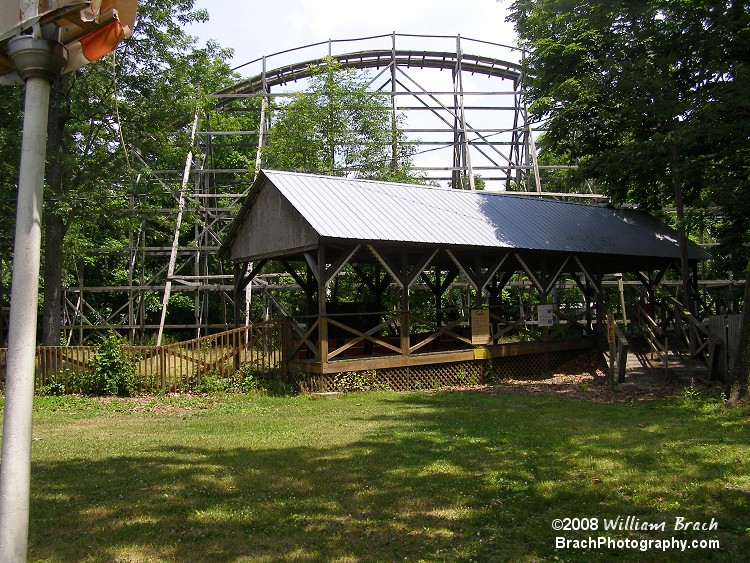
(180, 366)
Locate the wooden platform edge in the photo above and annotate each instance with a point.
(470, 354)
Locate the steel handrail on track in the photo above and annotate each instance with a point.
(442, 60)
(377, 58)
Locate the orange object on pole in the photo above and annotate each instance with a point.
(102, 41)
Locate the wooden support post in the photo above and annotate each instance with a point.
(405, 329)
(543, 298)
(287, 345)
(611, 340)
(176, 238)
(239, 272)
(323, 320)
(587, 300)
(162, 367)
(600, 315)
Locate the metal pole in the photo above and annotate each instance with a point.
(38, 61)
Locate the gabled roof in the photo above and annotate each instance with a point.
(366, 210)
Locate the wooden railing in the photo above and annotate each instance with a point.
(172, 367)
(703, 344)
(678, 328)
(650, 330)
(386, 335)
(622, 346)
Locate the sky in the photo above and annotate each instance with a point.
(255, 28)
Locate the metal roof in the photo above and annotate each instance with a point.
(367, 210)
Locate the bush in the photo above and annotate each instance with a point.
(51, 389)
(347, 382)
(212, 382)
(245, 380)
(112, 373)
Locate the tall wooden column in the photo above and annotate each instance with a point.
(405, 329)
(322, 319)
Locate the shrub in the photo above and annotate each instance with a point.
(51, 389)
(213, 382)
(112, 373)
(246, 380)
(350, 381)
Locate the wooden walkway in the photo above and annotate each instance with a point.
(647, 368)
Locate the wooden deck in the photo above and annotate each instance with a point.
(376, 362)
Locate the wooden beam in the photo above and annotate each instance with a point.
(241, 282)
(530, 273)
(553, 280)
(312, 262)
(322, 319)
(305, 284)
(388, 267)
(403, 273)
(418, 268)
(338, 264)
(587, 274)
(425, 359)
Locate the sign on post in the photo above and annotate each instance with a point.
(546, 315)
(611, 329)
(480, 327)
(610, 321)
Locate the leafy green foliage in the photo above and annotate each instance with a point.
(245, 380)
(650, 99)
(112, 123)
(339, 127)
(353, 381)
(112, 373)
(643, 95)
(52, 389)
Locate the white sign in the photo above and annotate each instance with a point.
(546, 315)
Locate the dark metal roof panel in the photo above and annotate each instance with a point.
(345, 208)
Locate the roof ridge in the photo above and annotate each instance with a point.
(503, 193)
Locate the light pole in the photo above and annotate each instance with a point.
(38, 61)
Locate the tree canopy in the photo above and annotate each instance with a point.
(112, 123)
(649, 97)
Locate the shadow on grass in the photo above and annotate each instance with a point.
(440, 477)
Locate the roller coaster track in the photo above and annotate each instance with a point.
(472, 64)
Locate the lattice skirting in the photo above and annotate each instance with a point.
(438, 375)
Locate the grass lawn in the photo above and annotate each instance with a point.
(382, 477)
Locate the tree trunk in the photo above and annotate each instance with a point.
(739, 380)
(681, 234)
(54, 225)
(54, 235)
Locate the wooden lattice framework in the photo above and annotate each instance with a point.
(331, 339)
(468, 117)
(478, 122)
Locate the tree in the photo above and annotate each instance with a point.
(339, 127)
(647, 97)
(136, 97)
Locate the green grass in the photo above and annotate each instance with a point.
(380, 477)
